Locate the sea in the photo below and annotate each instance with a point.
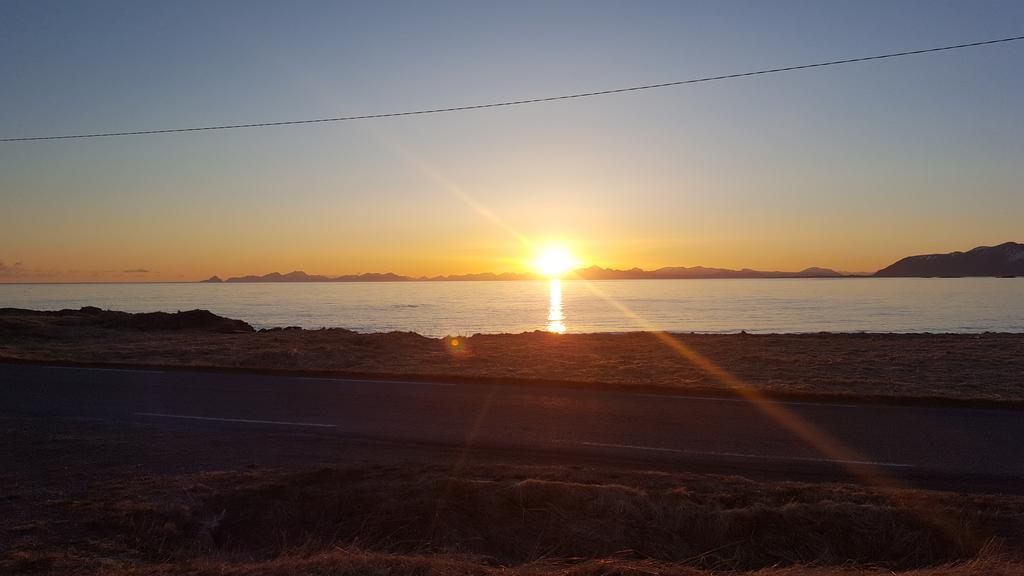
(963, 305)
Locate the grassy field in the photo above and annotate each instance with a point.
(946, 366)
(421, 519)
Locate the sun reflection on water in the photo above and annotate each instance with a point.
(556, 317)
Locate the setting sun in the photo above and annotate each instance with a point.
(554, 261)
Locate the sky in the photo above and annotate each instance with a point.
(848, 167)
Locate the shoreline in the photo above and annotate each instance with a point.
(985, 370)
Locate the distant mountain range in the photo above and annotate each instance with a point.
(1002, 260)
(682, 272)
(591, 273)
(299, 276)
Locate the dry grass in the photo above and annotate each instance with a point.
(954, 366)
(422, 519)
(355, 562)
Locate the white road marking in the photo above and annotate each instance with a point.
(739, 455)
(715, 399)
(358, 381)
(238, 420)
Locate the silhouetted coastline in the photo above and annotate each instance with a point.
(1005, 261)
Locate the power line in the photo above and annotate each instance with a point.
(519, 102)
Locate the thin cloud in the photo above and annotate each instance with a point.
(9, 270)
(17, 272)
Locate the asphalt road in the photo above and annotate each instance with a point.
(939, 447)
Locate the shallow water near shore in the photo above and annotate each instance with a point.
(968, 305)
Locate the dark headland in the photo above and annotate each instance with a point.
(1006, 259)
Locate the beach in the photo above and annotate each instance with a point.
(985, 367)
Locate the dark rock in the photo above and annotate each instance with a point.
(199, 320)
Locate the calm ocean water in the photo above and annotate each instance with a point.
(443, 308)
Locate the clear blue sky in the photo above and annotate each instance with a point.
(847, 167)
